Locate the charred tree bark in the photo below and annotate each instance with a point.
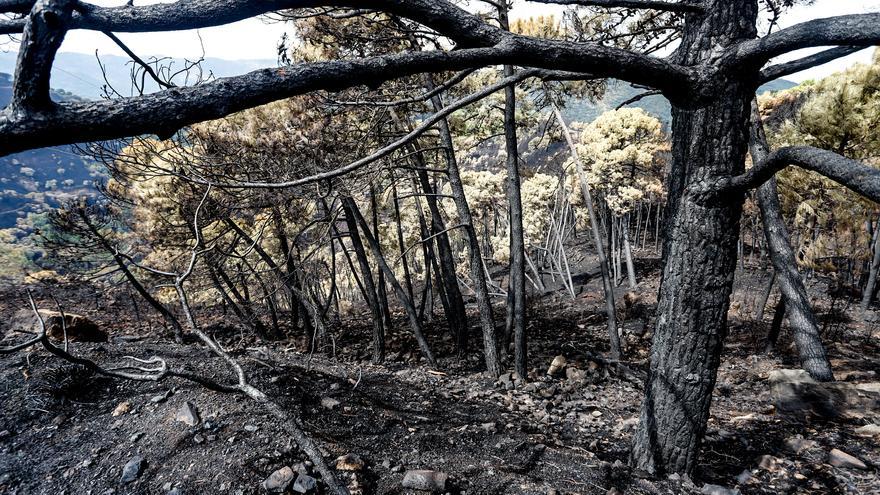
(475, 260)
(870, 287)
(804, 326)
(369, 286)
(709, 143)
(412, 314)
(517, 280)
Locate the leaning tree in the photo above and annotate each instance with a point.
(710, 79)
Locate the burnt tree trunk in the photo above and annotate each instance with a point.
(369, 287)
(804, 327)
(517, 281)
(475, 260)
(710, 141)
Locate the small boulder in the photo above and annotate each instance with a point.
(425, 480)
(795, 393)
(132, 469)
(710, 489)
(349, 462)
(329, 403)
(121, 408)
(557, 365)
(78, 327)
(868, 431)
(279, 481)
(575, 375)
(188, 414)
(305, 484)
(841, 459)
(798, 444)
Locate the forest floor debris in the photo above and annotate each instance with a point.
(566, 431)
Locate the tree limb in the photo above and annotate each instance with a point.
(685, 6)
(43, 33)
(853, 174)
(781, 70)
(853, 30)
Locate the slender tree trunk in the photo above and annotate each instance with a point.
(453, 301)
(775, 326)
(762, 304)
(804, 327)
(709, 143)
(517, 279)
(407, 304)
(475, 259)
(381, 286)
(133, 280)
(868, 294)
(369, 286)
(627, 252)
(610, 312)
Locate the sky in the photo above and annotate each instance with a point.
(257, 39)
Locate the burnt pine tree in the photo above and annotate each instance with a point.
(710, 79)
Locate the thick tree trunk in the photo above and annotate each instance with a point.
(709, 143)
(804, 326)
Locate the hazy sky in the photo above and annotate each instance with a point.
(255, 39)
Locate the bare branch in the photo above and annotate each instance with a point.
(853, 174)
(851, 30)
(781, 70)
(684, 6)
(43, 33)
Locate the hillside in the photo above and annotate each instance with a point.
(619, 92)
(34, 181)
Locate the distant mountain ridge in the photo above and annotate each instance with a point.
(80, 73)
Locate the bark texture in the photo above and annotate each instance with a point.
(709, 143)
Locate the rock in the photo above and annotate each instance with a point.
(709, 489)
(798, 444)
(158, 399)
(744, 477)
(868, 431)
(132, 469)
(188, 414)
(79, 328)
(251, 428)
(841, 459)
(425, 480)
(767, 462)
(871, 388)
(305, 484)
(121, 408)
(329, 403)
(795, 393)
(176, 491)
(506, 381)
(489, 427)
(279, 481)
(575, 375)
(349, 462)
(557, 365)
